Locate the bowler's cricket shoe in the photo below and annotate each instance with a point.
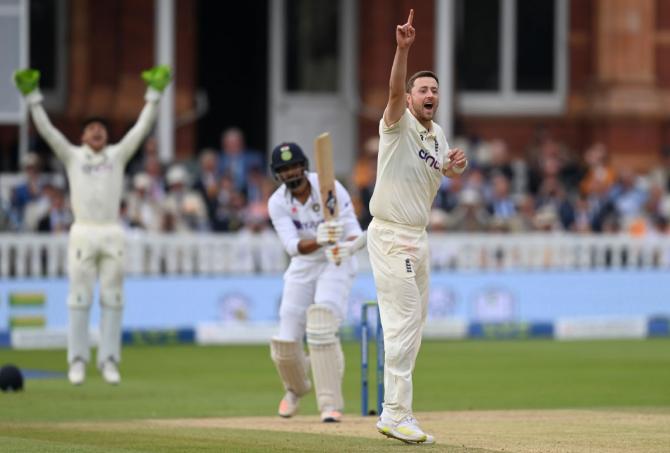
(288, 406)
(331, 416)
(110, 372)
(77, 372)
(407, 430)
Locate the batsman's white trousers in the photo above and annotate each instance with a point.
(400, 263)
(95, 252)
(309, 282)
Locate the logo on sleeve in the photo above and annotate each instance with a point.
(408, 266)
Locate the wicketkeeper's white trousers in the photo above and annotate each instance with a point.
(95, 252)
(400, 263)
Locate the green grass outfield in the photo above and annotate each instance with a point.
(191, 382)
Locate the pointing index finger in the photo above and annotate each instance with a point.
(411, 16)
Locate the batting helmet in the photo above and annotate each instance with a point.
(11, 378)
(286, 154)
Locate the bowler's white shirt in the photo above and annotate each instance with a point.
(295, 221)
(95, 178)
(409, 171)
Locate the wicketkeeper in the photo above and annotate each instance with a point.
(96, 246)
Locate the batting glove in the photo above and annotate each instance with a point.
(328, 233)
(157, 77)
(26, 80)
(339, 252)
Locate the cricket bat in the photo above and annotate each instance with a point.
(323, 155)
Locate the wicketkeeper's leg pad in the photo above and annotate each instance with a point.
(77, 335)
(289, 358)
(326, 356)
(82, 275)
(111, 302)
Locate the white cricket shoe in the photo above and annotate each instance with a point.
(77, 372)
(407, 430)
(110, 372)
(329, 415)
(288, 406)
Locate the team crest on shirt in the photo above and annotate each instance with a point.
(101, 167)
(316, 207)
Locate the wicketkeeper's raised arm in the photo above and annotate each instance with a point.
(157, 79)
(397, 102)
(27, 82)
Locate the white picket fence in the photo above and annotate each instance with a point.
(38, 256)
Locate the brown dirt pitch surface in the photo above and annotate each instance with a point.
(520, 431)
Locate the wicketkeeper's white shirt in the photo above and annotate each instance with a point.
(95, 178)
(409, 171)
(295, 221)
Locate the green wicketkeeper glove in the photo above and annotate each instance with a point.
(26, 80)
(157, 77)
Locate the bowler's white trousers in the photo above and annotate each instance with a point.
(95, 252)
(400, 263)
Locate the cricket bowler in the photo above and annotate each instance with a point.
(413, 157)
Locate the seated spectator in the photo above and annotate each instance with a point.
(543, 148)
(553, 194)
(448, 194)
(229, 206)
(475, 179)
(470, 215)
(256, 180)
(236, 160)
(598, 171)
(141, 210)
(207, 182)
(499, 160)
(651, 221)
(184, 208)
(523, 221)
(629, 196)
(154, 169)
(660, 175)
(602, 214)
(38, 208)
(139, 160)
(27, 191)
(658, 202)
(59, 217)
(501, 204)
(582, 223)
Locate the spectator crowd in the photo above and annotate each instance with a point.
(547, 187)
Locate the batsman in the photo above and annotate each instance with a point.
(316, 283)
(96, 242)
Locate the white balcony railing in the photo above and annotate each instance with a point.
(34, 255)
